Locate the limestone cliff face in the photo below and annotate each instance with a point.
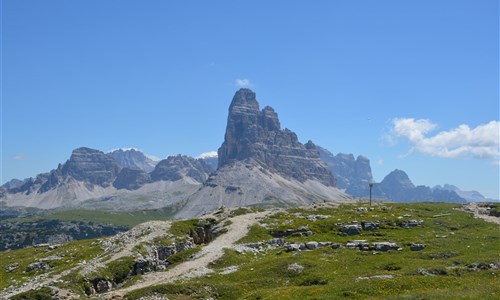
(133, 159)
(177, 167)
(91, 166)
(256, 134)
(352, 175)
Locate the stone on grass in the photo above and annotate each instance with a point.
(417, 247)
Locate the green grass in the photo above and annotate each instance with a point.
(334, 273)
(182, 256)
(256, 233)
(40, 294)
(71, 253)
(455, 242)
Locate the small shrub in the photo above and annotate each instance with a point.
(181, 228)
(308, 281)
(391, 267)
(121, 269)
(240, 211)
(40, 294)
(182, 256)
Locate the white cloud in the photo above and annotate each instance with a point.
(19, 156)
(208, 154)
(243, 83)
(481, 142)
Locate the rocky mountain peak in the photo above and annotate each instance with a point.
(133, 159)
(399, 178)
(244, 98)
(91, 166)
(257, 135)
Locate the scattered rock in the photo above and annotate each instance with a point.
(276, 242)
(484, 266)
(295, 267)
(311, 245)
(324, 244)
(53, 247)
(417, 247)
(356, 244)
(370, 225)
(38, 266)
(375, 277)
(50, 258)
(11, 267)
(441, 215)
(294, 247)
(313, 218)
(102, 286)
(336, 246)
(229, 270)
(161, 267)
(385, 246)
(353, 229)
(142, 266)
(412, 223)
(255, 245)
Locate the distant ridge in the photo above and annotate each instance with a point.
(258, 163)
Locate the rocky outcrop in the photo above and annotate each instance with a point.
(133, 159)
(177, 167)
(257, 135)
(91, 166)
(352, 175)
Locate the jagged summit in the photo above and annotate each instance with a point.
(254, 134)
(262, 164)
(133, 159)
(92, 166)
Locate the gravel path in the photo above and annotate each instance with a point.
(480, 212)
(198, 266)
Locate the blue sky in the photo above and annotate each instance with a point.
(412, 85)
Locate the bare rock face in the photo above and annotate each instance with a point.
(91, 166)
(131, 179)
(257, 135)
(177, 167)
(352, 175)
(133, 159)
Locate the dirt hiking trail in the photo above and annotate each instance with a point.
(198, 266)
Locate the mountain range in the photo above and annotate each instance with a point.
(259, 163)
